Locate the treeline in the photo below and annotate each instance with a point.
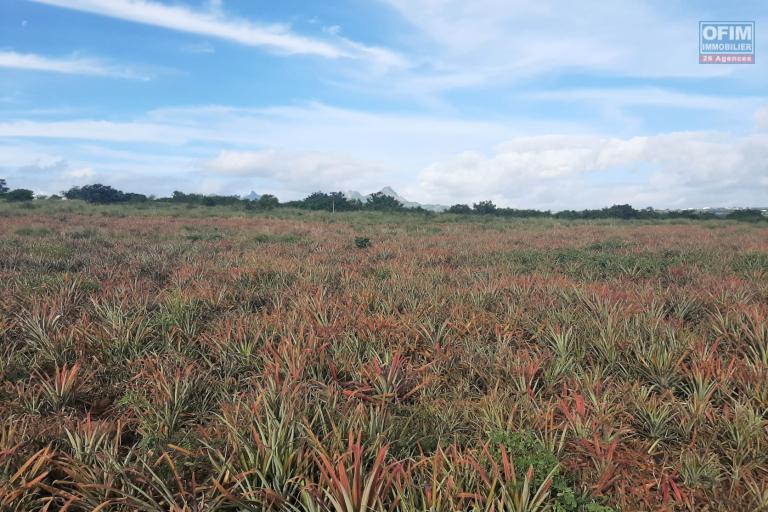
(617, 211)
(338, 202)
(334, 201)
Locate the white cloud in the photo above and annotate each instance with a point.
(761, 119)
(303, 172)
(68, 65)
(82, 172)
(684, 169)
(214, 23)
(43, 175)
(50, 168)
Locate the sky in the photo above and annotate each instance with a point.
(528, 103)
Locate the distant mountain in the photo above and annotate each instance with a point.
(353, 195)
(253, 196)
(389, 191)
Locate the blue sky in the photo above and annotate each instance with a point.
(547, 104)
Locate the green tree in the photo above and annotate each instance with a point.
(747, 214)
(621, 211)
(459, 208)
(340, 202)
(212, 200)
(382, 202)
(216, 200)
(267, 202)
(317, 201)
(3, 186)
(181, 197)
(19, 194)
(335, 201)
(97, 193)
(484, 208)
(132, 197)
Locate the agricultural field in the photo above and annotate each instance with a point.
(203, 359)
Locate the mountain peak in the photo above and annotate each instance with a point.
(354, 195)
(389, 191)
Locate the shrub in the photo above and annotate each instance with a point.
(19, 195)
(212, 200)
(527, 451)
(335, 201)
(362, 242)
(382, 202)
(748, 215)
(101, 194)
(459, 208)
(268, 202)
(484, 208)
